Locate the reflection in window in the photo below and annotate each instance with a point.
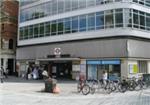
(91, 21)
(82, 3)
(67, 25)
(74, 24)
(83, 22)
(41, 30)
(54, 7)
(48, 29)
(142, 20)
(54, 27)
(99, 20)
(135, 19)
(128, 18)
(148, 21)
(119, 18)
(67, 5)
(60, 26)
(31, 32)
(36, 29)
(60, 6)
(74, 4)
(109, 19)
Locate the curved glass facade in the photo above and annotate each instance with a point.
(88, 22)
(53, 7)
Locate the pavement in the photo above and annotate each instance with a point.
(17, 91)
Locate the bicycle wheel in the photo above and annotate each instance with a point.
(85, 89)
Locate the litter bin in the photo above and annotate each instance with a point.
(50, 84)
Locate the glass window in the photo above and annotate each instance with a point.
(22, 16)
(48, 29)
(42, 10)
(31, 31)
(98, 2)
(67, 5)
(100, 20)
(75, 24)
(47, 9)
(74, 4)
(21, 33)
(53, 28)
(60, 6)
(147, 3)
(90, 3)
(26, 32)
(41, 30)
(83, 22)
(36, 30)
(135, 19)
(142, 20)
(60, 26)
(109, 19)
(82, 3)
(91, 21)
(128, 18)
(67, 25)
(36, 13)
(54, 6)
(119, 18)
(148, 21)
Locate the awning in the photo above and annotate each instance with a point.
(59, 59)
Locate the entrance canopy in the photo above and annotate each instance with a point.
(59, 59)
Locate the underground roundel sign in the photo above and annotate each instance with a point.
(57, 51)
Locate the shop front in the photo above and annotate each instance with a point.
(95, 69)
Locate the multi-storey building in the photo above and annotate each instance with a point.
(87, 36)
(8, 34)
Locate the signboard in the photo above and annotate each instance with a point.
(57, 51)
(133, 68)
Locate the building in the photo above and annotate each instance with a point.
(8, 34)
(87, 36)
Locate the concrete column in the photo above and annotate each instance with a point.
(148, 68)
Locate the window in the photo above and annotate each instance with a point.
(98, 2)
(21, 34)
(91, 21)
(148, 21)
(109, 19)
(118, 18)
(60, 26)
(135, 19)
(82, 3)
(41, 30)
(54, 6)
(75, 24)
(2, 27)
(31, 31)
(67, 5)
(11, 44)
(99, 20)
(142, 67)
(26, 32)
(54, 28)
(60, 6)
(83, 24)
(142, 20)
(48, 9)
(36, 29)
(47, 29)
(67, 25)
(74, 4)
(90, 3)
(128, 18)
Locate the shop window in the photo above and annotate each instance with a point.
(142, 66)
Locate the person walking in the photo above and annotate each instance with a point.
(105, 77)
(1, 74)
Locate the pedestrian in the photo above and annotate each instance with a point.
(105, 77)
(1, 74)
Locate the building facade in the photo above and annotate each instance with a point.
(8, 34)
(70, 37)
